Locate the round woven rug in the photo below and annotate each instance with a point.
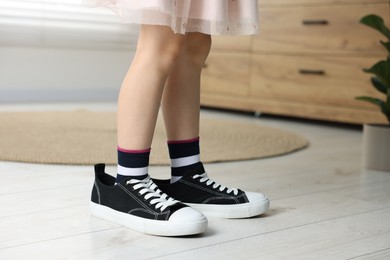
(84, 138)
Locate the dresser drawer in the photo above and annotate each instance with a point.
(232, 43)
(316, 2)
(319, 80)
(314, 29)
(227, 74)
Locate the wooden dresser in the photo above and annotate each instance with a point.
(306, 61)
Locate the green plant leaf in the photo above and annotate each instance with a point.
(379, 86)
(382, 71)
(376, 22)
(385, 108)
(386, 45)
(375, 101)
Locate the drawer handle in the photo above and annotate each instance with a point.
(315, 22)
(311, 72)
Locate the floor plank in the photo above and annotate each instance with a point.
(378, 255)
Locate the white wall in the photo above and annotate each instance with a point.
(83, 55)
(61, 74)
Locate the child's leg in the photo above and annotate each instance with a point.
(157, 51)
(189, 183)
(181, 99)
(181, 104)
(139, 99)
(133, 200)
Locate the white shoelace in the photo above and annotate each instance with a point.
(205, 178)
(149, 189)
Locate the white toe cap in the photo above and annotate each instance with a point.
(255, 196)
(187, 214)
(188, 221)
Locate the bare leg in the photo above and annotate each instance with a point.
(181, 115)
(139, 100)
(181, 98)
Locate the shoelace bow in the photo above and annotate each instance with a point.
(204, 178)
(149, 189)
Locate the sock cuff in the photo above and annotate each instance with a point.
(134, 159)
(133, 151)
(186, 148)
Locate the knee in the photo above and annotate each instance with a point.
(171, 52)
(160, 46)
(166, 55)
(198, 48)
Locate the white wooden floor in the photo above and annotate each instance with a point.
(323, 206)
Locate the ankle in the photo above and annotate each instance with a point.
(185, 156)
(132, 164)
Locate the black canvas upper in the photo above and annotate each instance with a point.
(122, 197)
(191, 190)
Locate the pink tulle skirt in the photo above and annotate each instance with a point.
(215, 17)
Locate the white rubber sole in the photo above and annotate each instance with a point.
(148, 226)
(245, 210)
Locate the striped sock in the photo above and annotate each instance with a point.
(132, 163)
(185, 155)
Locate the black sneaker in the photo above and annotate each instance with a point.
(140, 205)
(212, 199)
